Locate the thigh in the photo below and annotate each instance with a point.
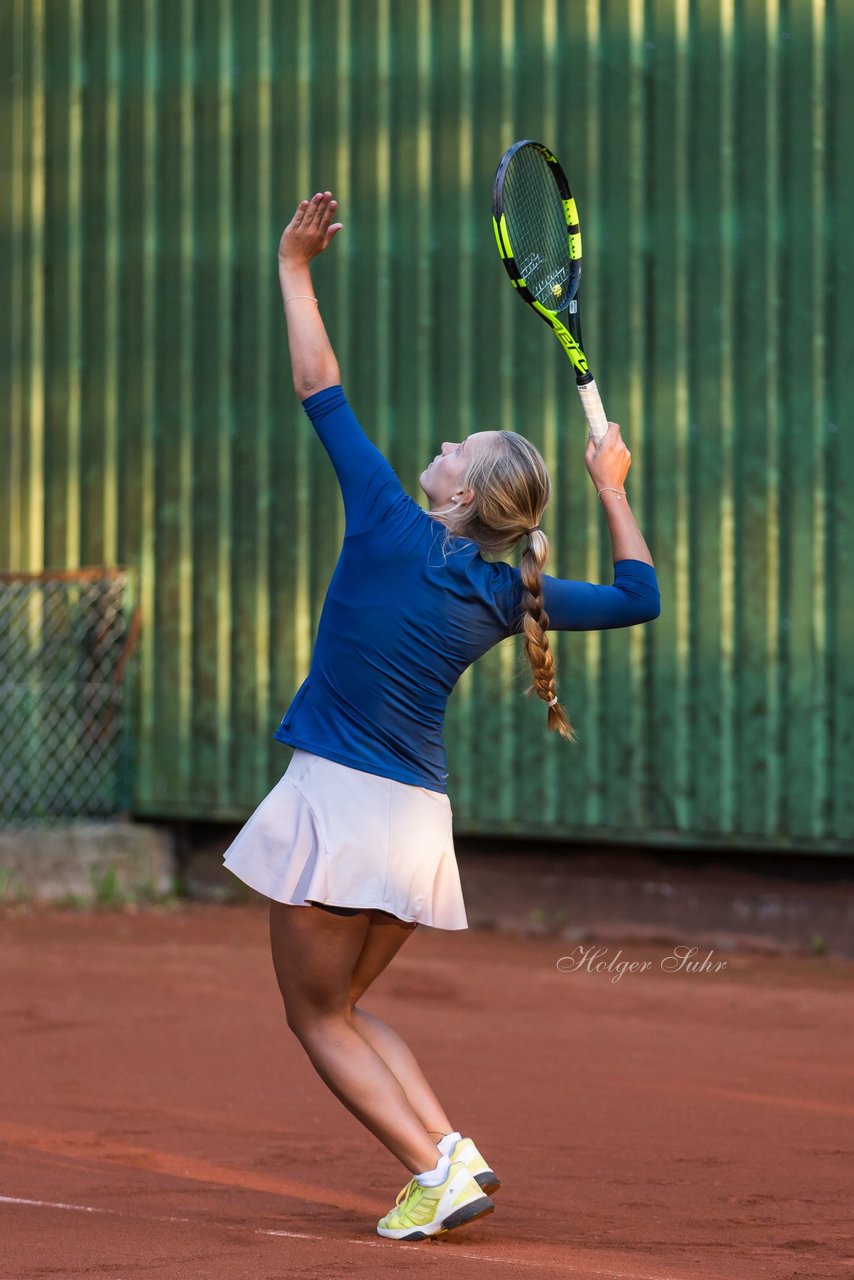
(314, 955)
(384, 939)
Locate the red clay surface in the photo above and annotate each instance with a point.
(159, 1120)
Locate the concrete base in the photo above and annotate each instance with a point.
(577, 894)
(573, 894)
(87, 864)
(765, 903)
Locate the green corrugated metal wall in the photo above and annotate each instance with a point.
(151, 151)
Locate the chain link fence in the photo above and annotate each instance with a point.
(65, 641)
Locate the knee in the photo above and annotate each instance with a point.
(310, 1022)
(292, 1019)
(299, 1019)
(356, 993)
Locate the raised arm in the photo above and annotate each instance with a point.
(633, 596)
(608, 464)
(308, 233)
(369, 486)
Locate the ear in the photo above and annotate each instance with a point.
(464, 498)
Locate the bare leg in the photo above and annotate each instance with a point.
(314, 955)
(382, 943)
(401, 1061)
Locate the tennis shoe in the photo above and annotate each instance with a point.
(422, 1212)
(485, 1178)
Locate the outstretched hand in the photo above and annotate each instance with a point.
(309, 231)
(609, 461)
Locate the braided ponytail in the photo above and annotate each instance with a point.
(511, 487)
(535, 620)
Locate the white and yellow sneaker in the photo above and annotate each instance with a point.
(485, 1178)
(421, 1212)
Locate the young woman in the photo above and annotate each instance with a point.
(354, 845)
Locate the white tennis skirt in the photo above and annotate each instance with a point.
(331, 834)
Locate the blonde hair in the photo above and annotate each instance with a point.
(512, 488)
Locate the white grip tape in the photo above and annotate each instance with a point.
(591, 403)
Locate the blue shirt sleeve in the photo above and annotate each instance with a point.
(369, 486)
(588, 606)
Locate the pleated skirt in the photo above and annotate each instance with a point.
(331, 834)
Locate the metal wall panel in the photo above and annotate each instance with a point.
(150, 154)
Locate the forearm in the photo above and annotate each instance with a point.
(627, 541)
(313, 361)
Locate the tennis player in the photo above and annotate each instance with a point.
(354, 845)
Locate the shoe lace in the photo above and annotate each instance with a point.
(407, 1191)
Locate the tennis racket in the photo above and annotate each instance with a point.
(539, 239)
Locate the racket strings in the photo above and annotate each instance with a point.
(537, 228)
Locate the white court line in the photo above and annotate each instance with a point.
(565, 1268)
(85, 1208)
(372, 1244)
(292, 1235)
(49, 1204)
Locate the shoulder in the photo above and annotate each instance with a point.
(499, 587)
(507, 586)
(503, 577)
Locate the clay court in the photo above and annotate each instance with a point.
(160, 1120)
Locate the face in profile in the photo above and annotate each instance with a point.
(442, 479)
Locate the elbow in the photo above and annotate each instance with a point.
(651, 607)
(645, 607)
(645, 596)
(309, 382)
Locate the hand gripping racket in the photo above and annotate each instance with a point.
(539, 239)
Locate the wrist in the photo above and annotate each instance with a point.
(615, 493)
(291, 267)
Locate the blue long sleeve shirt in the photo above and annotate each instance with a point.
(402, 619)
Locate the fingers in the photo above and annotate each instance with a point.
(319, 209)
(316, 217)
(608, 461)
(327, 215)
(611, 437)
(311, 228)
(299, 215)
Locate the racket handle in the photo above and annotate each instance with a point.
(591, 403)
